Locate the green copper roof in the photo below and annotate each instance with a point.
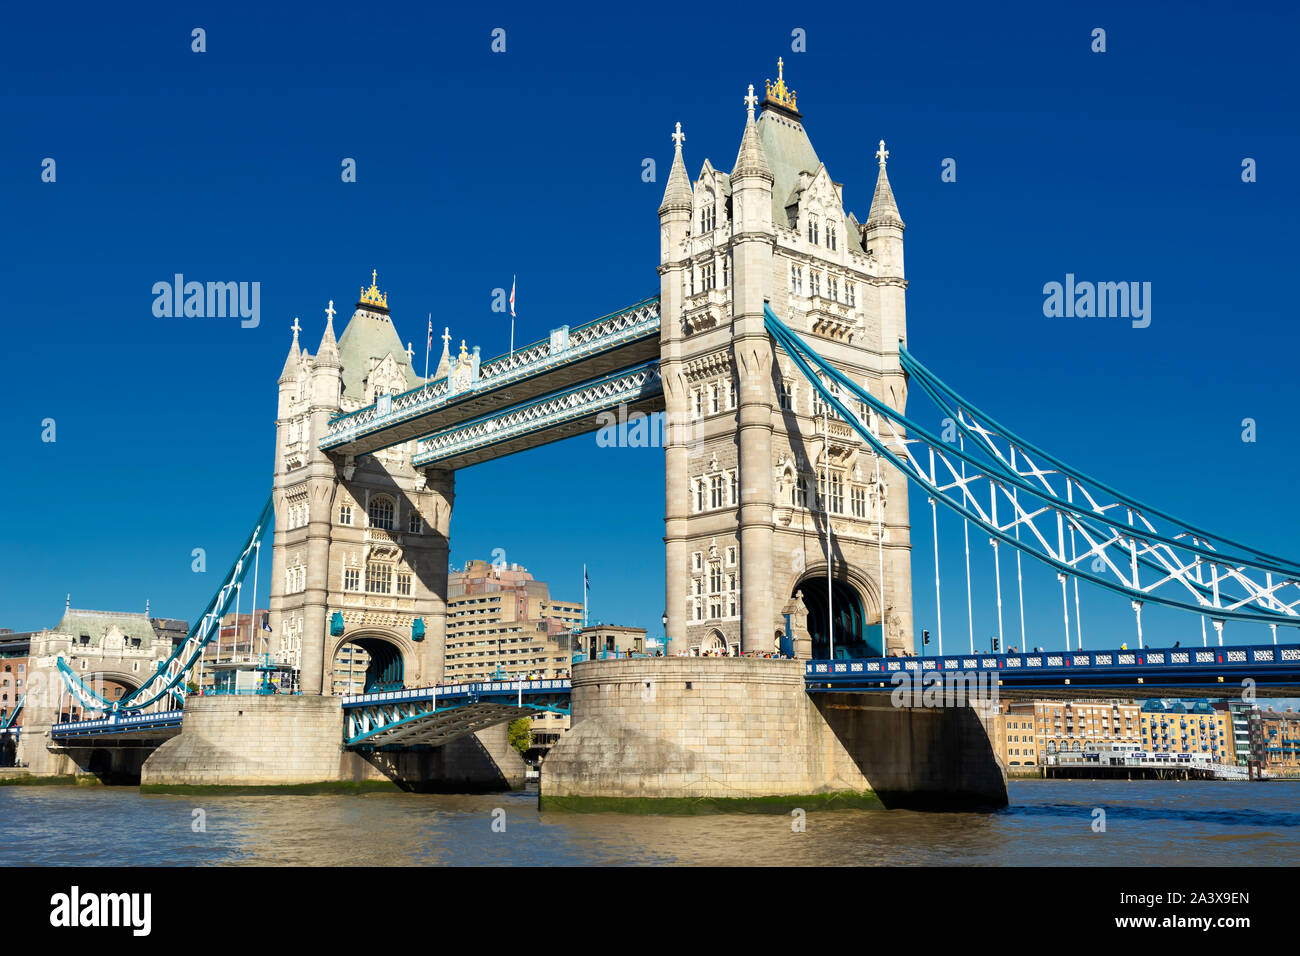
(370, 335)
(96, 623)
(789, 152)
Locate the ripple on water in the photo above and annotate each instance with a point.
(1049, 823)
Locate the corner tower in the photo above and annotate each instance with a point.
(757, 475)
(360, 546)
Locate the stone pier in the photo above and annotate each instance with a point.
(294, 741)
(719, 729)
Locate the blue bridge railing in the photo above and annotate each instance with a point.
(1264, 663)
(117, 724)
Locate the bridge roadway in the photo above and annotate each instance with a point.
(1137, 673)
(570, 358)
(433, 716)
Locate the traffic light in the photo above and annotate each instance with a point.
(925, 637)
(995, 645)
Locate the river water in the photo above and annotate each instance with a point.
(1157, 823)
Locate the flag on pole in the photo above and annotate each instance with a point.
(428, 347)
(512, 295)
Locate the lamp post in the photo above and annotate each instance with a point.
(664, 621)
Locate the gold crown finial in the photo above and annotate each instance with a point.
(778, 92)
(373, 296)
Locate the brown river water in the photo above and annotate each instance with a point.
(1147, 823)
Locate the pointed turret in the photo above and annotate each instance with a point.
(290, 372)
(328, 353)
(677, 194)
(752, 159)
(444, 363)
(884, 210)
(751, 179)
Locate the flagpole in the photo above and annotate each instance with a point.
(513, 281)
(584, 594)
(428, 344)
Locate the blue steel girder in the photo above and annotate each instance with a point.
(1054, 514)
(120, 727)
(169, 680)
(1138, 673)
(433, 716)
(572, 411)
(614, 342)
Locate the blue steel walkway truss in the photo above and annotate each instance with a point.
(433, 716)
(1273, 669)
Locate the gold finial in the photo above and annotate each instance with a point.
(778, 92)
(373, 296)
(464, 352)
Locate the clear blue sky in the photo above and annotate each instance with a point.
(474, 166)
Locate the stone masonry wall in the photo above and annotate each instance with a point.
(684, 727)
(280, 741)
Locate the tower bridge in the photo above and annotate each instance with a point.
(777, 346)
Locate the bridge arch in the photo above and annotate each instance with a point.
(392, 657)
(855, 606)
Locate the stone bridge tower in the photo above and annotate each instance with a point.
(361, 545)
(753, 473)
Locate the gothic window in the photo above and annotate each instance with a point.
(726, 271)
(801, 492)
(713, 395)
(731, 596)
(734, 487)
(404, 583)
(832, 288)
(731, 395)
(352, 579)
(796, 279)
(345, 514)
(830, 235)
(415, 524)
(381, 513)
(812, 229)
(699, 402)
(379, 578)
(708, 214)
(715, 492)
(706, 277)
(814, 283)
(859, 496)
(785, 397)
(834, 490)
(699, 494)
(697, 560)
(731, 557)
(850, 293)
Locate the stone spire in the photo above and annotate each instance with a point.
(751, 160)
(290, 372)
(677, 194)
(884, 210)
(444, 363)
(328, 353)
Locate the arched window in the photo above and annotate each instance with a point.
(381, 513)
(812, 229)
(830, 235)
